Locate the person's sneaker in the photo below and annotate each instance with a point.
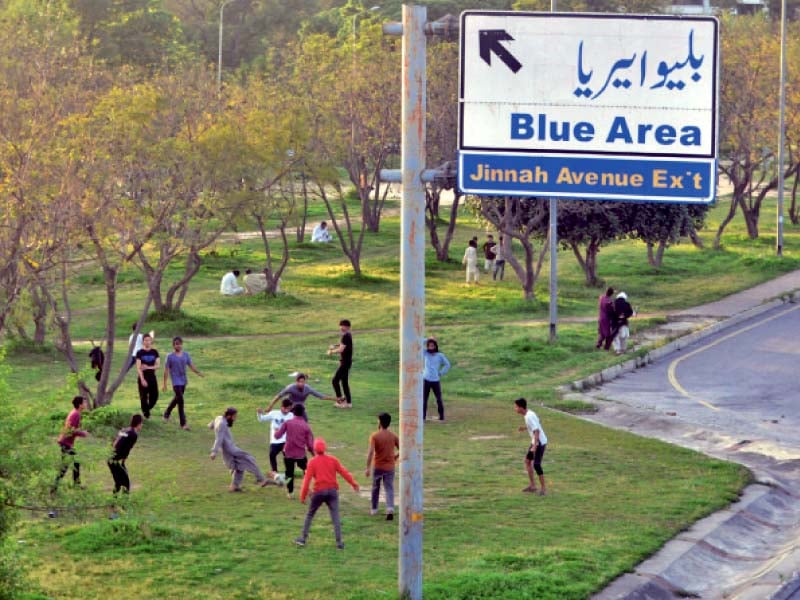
(186, 428)
(529, 489)
(165, 419)
(339, 545)
(289, 495)
(234, 488)
(300, 542)
(543, 492)
(390, 516)
(113, 516)
(373, 511)
(52, 514)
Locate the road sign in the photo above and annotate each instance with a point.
(604, 107)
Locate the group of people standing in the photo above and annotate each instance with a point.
(494, 260)
(612, 321)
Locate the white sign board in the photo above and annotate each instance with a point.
(588, 106)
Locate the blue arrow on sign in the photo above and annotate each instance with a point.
(490, 42)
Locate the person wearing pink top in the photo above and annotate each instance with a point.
(323, 469)
(298, 439)
(66, 440)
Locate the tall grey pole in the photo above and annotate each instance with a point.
(553, 251)
(412, 300)
(781, 132)
(219, 46)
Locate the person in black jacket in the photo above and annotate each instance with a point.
(122, 446)
(623, 312)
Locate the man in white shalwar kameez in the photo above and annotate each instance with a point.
(236, 459)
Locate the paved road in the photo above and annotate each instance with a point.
(740, 383)
(734, 395)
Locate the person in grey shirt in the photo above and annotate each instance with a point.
(297, 392)
(236, 459)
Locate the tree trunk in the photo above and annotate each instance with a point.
(350, 247)
(177, 291)
(432, 204)
(656, 258)
(694, 237)
(728, 218)
(301, 229)
(39, 316)
(589, 263)
(750, 219)
(793, 212)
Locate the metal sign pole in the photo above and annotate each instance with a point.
(412, 300)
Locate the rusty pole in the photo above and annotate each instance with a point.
(412, 300)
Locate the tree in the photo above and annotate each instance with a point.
(585, 226)
(661, 225)
(133, 32)
(748, 114)
(442, 128)
(522, 219)
(314, 78)
(43, 78)
(272, 139)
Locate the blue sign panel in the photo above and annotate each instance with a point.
(568, 176)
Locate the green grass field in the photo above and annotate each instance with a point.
(615, 498)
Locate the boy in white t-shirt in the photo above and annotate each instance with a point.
(533, 458)
(277, 417)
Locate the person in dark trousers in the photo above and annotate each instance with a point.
(323, 470)
(175, 368)
(535, 453)
(340, 380)
(435, 364)
(66, 441)
(147, 363)
(298, 439)
(606, 319)
(276, 418)
(499, 260)
(122, 446)
(489, 254)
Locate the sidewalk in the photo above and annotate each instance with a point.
(751, 549)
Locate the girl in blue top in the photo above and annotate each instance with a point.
(436, 365)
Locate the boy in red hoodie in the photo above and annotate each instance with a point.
(323, 469)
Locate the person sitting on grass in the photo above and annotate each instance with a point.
(229, 286)
(322, 469)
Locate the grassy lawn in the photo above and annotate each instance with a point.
(615, 498)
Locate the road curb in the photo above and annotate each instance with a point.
(615, 371)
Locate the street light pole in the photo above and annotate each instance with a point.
(222, 6)
(781, 132)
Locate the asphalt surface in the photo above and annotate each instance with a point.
(728, 390)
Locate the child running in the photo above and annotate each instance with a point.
(175, 368)
(323, 469)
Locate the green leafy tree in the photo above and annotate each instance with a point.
(748, 116)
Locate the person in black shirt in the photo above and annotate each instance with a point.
(624, 311)
(340, 378)
(122, 446)
(147, 364)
